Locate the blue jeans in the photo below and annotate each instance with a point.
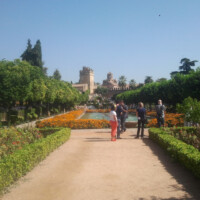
(118, 127)
(140, 125)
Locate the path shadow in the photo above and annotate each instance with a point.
(97, 139)
(184, 177)
(103, 132)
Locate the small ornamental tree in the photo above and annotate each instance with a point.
(57, 75)
(191, 108)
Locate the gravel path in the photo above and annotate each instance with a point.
(90, 167)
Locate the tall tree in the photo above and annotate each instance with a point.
(148, 79)
(185, 68)
(33, 55)
(57, 75)
(37, 54)
(132, 84)
(122, 81)
(187, 65)
(28, 54)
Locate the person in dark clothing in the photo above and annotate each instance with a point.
(119, 112)
(141, 115)
(124, 117)
(160, 110)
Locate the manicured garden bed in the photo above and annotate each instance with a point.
(186, 154)
(70, 120)
(19, 162)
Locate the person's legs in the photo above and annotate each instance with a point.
(138, 130)
(162, 121)
(118, 128)
(142, 132)
(159, 122)
(113, 130)
(124, 124)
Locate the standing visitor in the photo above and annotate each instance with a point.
(119, 112)
(141, 115)
(124, 117)
(160, 110)
(113, 122)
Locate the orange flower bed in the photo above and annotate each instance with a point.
(151, 113)
(69, 120)
(171, 120)
(98, 111)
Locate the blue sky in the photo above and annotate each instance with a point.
(125, 37)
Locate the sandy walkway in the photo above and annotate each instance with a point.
(90, 167)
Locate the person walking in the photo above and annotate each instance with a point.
(124, 117)
(141, 114)
(113, 122)
(119, 112)
(160, 111)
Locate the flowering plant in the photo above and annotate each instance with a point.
(171, 119)
(69, 120)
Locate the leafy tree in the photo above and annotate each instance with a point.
(122, 82)
(187, 65)
(191, 108)
(57, 75)
(161, 80)
(132, 84)
(185, 68)
(101, 90)
(148, 79)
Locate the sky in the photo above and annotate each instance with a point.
(133, 38)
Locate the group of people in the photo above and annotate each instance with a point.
(119, 113)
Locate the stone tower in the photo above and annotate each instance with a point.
(87, 77)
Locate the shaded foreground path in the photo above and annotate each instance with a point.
(90, 167)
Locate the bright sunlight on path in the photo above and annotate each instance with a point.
(90, 167)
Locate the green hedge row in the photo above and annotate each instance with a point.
(15, 165)
(186, 154)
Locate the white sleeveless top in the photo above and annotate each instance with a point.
(112, 115)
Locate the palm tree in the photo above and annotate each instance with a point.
(122, 81)
(132, 84)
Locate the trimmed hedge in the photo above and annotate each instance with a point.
(186, 154)
(14, 166)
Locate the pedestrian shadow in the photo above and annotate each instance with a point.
(184, 177)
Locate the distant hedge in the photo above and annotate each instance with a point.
(15, 165)
(172, 91)
(186, 154)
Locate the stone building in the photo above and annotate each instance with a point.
(110, 82)
(86, 81)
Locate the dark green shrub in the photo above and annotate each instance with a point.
(14, 166)
(12, 139)
(186, 154)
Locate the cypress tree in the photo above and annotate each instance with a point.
(57, 75)
(28, 54)
(33, 55)
(37, 54)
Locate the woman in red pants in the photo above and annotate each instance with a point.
(113, 122)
